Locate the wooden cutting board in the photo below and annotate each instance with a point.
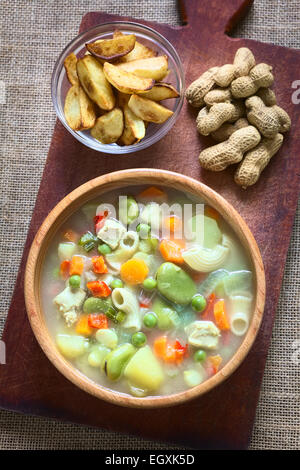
(223, 418)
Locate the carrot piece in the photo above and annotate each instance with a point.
(160, 346)
(99, 266)
(172, 224)
(83, 327)
(98, 321)
(134, 271)
(64, 269)
(71, 236)
(152, 193)
(211, 212)
(215, 362)
(180, 351)
(220, 315)
(171, 250)
(209, 306)
(76, 265)
(170, 355)
(99, 288)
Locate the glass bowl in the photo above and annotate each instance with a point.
(150, 38)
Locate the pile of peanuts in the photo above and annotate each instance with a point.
(239, 110)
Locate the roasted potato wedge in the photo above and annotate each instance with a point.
(161, 91)
(112, 49)
(153, 67)
(79, 109)
(122, 99)
(139, 51)
(135, 123)
(70, 67)
(124, 81)
(87, 110)
(109, 127)
(149, 110)
(92, 79)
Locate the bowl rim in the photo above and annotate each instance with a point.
(161, 131)
(76, 199)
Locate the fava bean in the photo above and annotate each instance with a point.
(117, 359)
(175, 284)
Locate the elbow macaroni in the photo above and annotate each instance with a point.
(125, 300)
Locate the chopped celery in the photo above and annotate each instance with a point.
(117, 316)
(238, 283)
(88, 241)
(213, 282)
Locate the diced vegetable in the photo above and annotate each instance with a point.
(173, 353)
(144, 371)
(117, 316)
(211, 212)
(222, 321)
(107, 337)
(134, 271)
(171, 251)
(88, 241)
(104, 249)
(98, 355)
(76, 265)
(213, 282)
(96, 305)
(129, 211)
(172, 224)
(83, 327)
(99, 266)
(66, 251)
(215, 362)
(152, 193)
(64, 269)
(143, 230)
(238, 283)
(192, 377)
(117, 359)
(98, 320)
(167, 318)
(71, 346)
(99, 289)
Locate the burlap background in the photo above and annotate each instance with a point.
(33, 34)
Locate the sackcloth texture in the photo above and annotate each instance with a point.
(33, 33)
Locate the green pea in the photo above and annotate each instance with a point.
(104, 249)
(200, 355)
(74, 281)
(149, 283)
(143, 230)
(116, 283)
(150, 320)
(198, 303)
(138, 339)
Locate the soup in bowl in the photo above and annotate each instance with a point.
(145, 288)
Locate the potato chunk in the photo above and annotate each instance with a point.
(144, 371)
(161, 91)
(149, 110)
(109, 127)
(70, 64)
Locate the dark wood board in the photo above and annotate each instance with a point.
(29, 383)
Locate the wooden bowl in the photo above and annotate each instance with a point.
(74, 201)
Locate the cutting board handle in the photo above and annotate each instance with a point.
(214, 16)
